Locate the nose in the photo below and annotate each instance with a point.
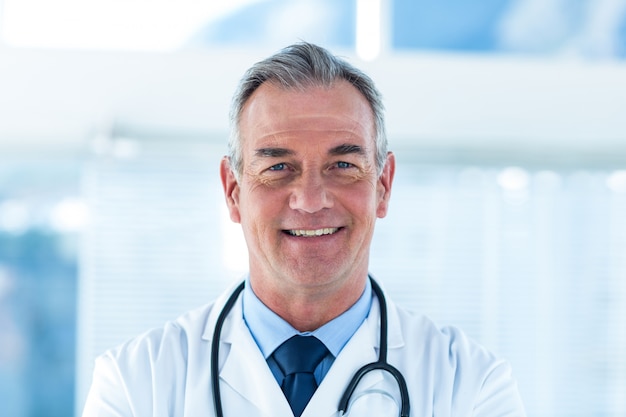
(309, 194)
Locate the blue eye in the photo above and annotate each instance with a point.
(344, 165)
(277, 167)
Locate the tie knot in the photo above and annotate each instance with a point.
(300, 354)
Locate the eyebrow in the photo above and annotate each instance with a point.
(343, 149)
(273, 152)
(346, 149)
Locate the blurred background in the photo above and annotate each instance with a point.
(508, 217)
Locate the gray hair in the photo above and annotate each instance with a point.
(300, 66)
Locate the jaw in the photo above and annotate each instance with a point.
(310, 280)
(306, 258)
(321, 258)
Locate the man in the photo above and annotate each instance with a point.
(308, 174)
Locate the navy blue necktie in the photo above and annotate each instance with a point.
(297, 358)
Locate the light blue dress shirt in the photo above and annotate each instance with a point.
(270, 331)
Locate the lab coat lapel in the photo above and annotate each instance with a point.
(246, 381)
(360, 350)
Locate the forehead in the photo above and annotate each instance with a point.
(274, 112)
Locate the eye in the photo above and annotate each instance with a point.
(278, 167)
(344, 165)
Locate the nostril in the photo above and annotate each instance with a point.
(310, 199)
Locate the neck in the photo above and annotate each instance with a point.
(307, 309)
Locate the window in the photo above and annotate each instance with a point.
(40, 211)
(566, 28)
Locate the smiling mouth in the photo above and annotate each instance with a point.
(313, 233)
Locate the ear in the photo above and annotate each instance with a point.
(385, 182)
(231, 189)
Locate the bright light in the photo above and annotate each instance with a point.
(617, 182)
(368, 29)
(69, 215)
(152, 25)
(515, 184)
(513, 179)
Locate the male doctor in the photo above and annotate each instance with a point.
(307, 175)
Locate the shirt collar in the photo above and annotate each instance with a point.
(269, 330)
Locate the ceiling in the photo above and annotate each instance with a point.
(60, 99)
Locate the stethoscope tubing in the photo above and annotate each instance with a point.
(380, 364)
(215, 349)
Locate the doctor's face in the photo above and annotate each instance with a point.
(309, 193)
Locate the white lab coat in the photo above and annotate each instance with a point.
(166, 372)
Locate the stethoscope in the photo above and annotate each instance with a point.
(380, 364)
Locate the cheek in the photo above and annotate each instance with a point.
(261, 206)
(362, 202)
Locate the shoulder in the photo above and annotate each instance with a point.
(448, 342)
(152, 371)
(463, 375)
(175, 343)
(172, 338)
(149, 370)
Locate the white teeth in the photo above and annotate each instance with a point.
(312, 233)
